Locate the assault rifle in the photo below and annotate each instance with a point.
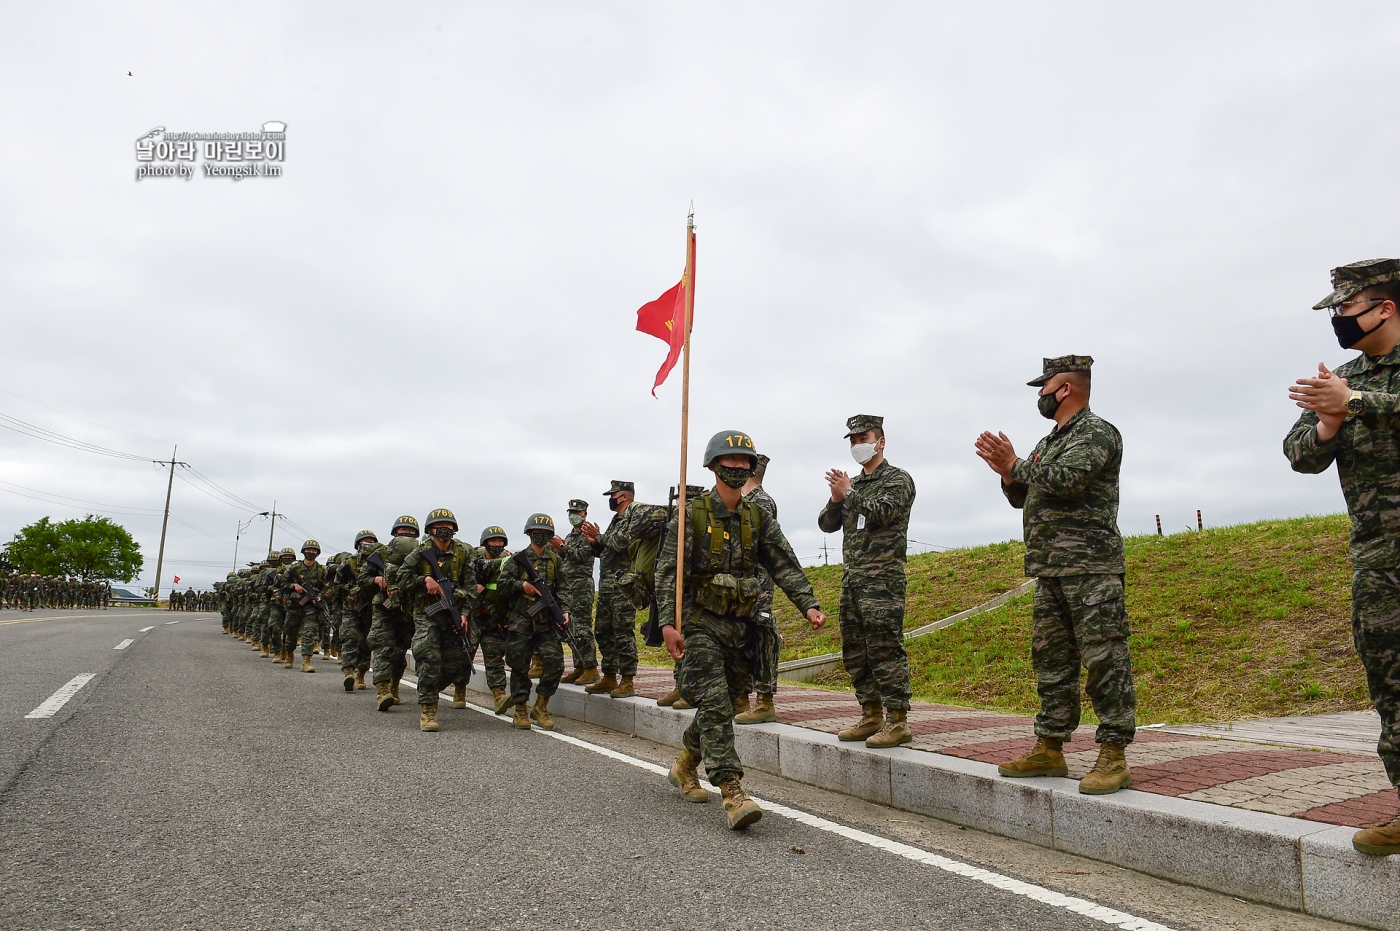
(445, 608)
(651, 630)
(547, 602)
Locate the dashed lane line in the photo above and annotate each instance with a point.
(60, 698)
(123, 645)
(144, 629)
(168, 623)
(1108, 916)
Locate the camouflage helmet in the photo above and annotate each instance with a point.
(539, 522)
(730, 443)
(364, 535)
(406, 521)
(440, 516)
(272, 558)
(288, 553)
(232, 574)
(311, 545)
(493, 532)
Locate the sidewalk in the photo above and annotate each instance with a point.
(1334, 787)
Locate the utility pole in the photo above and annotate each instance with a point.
(273, 529)
(170, 484)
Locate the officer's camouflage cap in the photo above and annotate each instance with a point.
(617, 486)
(1350, 280)
(578, 504)
(862, 422)
(1061, 364)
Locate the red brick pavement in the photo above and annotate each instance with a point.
(1364, 812)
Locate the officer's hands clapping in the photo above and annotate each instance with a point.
(589, 531)
(840, 484)
(996, 450)
(1327, 396)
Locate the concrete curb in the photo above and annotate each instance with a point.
(1302, 865)
(809, 667)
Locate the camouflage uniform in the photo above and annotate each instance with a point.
(717, 667)
(770, 643)
(355, 617)
(874, 519)
(1367, 451)
(304, 620)
(1068, 492)
(391, 627)
(615, 626)
(489, 620)
(576, 590)
(530, 636)
(438, 657)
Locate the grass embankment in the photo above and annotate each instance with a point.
(1244, 621)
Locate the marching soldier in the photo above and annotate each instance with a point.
(491, 611)
(391, 627)
(532, 636)
(766, 627)
(576, 592)
(355, 614)
(303, 584)
(439, 647)
(277, 611)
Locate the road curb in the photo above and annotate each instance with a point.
(1306, 866)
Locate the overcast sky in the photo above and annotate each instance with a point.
(901, 208)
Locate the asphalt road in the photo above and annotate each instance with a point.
(189, 784)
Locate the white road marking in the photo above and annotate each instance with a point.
(144, 629)
(60, 698)
(123, 645)
(168, 623)
(1079, 906)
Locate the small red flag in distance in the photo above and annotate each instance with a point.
(664, 318)
(177, 580)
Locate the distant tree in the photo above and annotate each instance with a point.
(91, 548)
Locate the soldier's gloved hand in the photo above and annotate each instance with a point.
(816, 618)
(675, 642)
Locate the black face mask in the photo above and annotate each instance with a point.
(733, 477)
(443, 532)
(612, 504)
(541, 538)
(1348, 329)
(495, 549)
(1048, 405)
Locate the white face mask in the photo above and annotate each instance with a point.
(863, 452)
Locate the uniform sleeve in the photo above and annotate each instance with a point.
(1015, 493)
(411, 574)
(577, 551)
(776, 555)
(829, 520)
(666, 571)
(511, 579)
(1303, 450)
(883, 503)
(1378, 402)
(1073, 468)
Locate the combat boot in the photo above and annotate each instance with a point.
(382, 696)
(685, 775)
(605, 684)
(540, 713)
(522, 717)
(1381, 842)
(306, 664)
(588, 676)
(573, 675)
(741, 809)
(427, 717)
(224, 631)
(349, 679)
(287, 659)
(762, 713)
(360, 680)
(459, 696)
(871, 720)
(1044, 760)
(625, 689)
(670, 698)
(265, 652)
(741, 706)
(394, 690)
(682, 705)
(1110, 772)
(895, 732)
(536, 667)
(257, 645)
(502, 698)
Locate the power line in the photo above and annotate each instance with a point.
(59, 439)
(243, 501)
(128, 509)
(76, 417)
(198, 530)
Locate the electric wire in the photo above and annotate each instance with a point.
(59, 439)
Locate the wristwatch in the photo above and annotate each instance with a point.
(1356, 405)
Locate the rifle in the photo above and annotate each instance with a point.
(547, 602)
(651, 630)
(447, 604)
(313, 597)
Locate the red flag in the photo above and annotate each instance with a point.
(664, 318)
(177, 580)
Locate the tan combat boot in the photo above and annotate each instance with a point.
(1045, 759)
(383, 698)
(625, 688)
(522, 717)
(257, 646)
(742, 810)
(459, 696)
(427, 717)
(287, 659)
(741, 706)
(224, 631)
(306, 664)
(871, 720)
(682, 705)
(895, 732)
(588, 676)
(605, 684)
(394, 691)
(1110, 772)
(502, 698)
(349, 679)
(540, 713)
(573, 675)
(536, 667)
(762, 713)
(360, 680)
(1381, 842)
(670, 698)
(685, 775)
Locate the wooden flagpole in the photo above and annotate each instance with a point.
(681, 523)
